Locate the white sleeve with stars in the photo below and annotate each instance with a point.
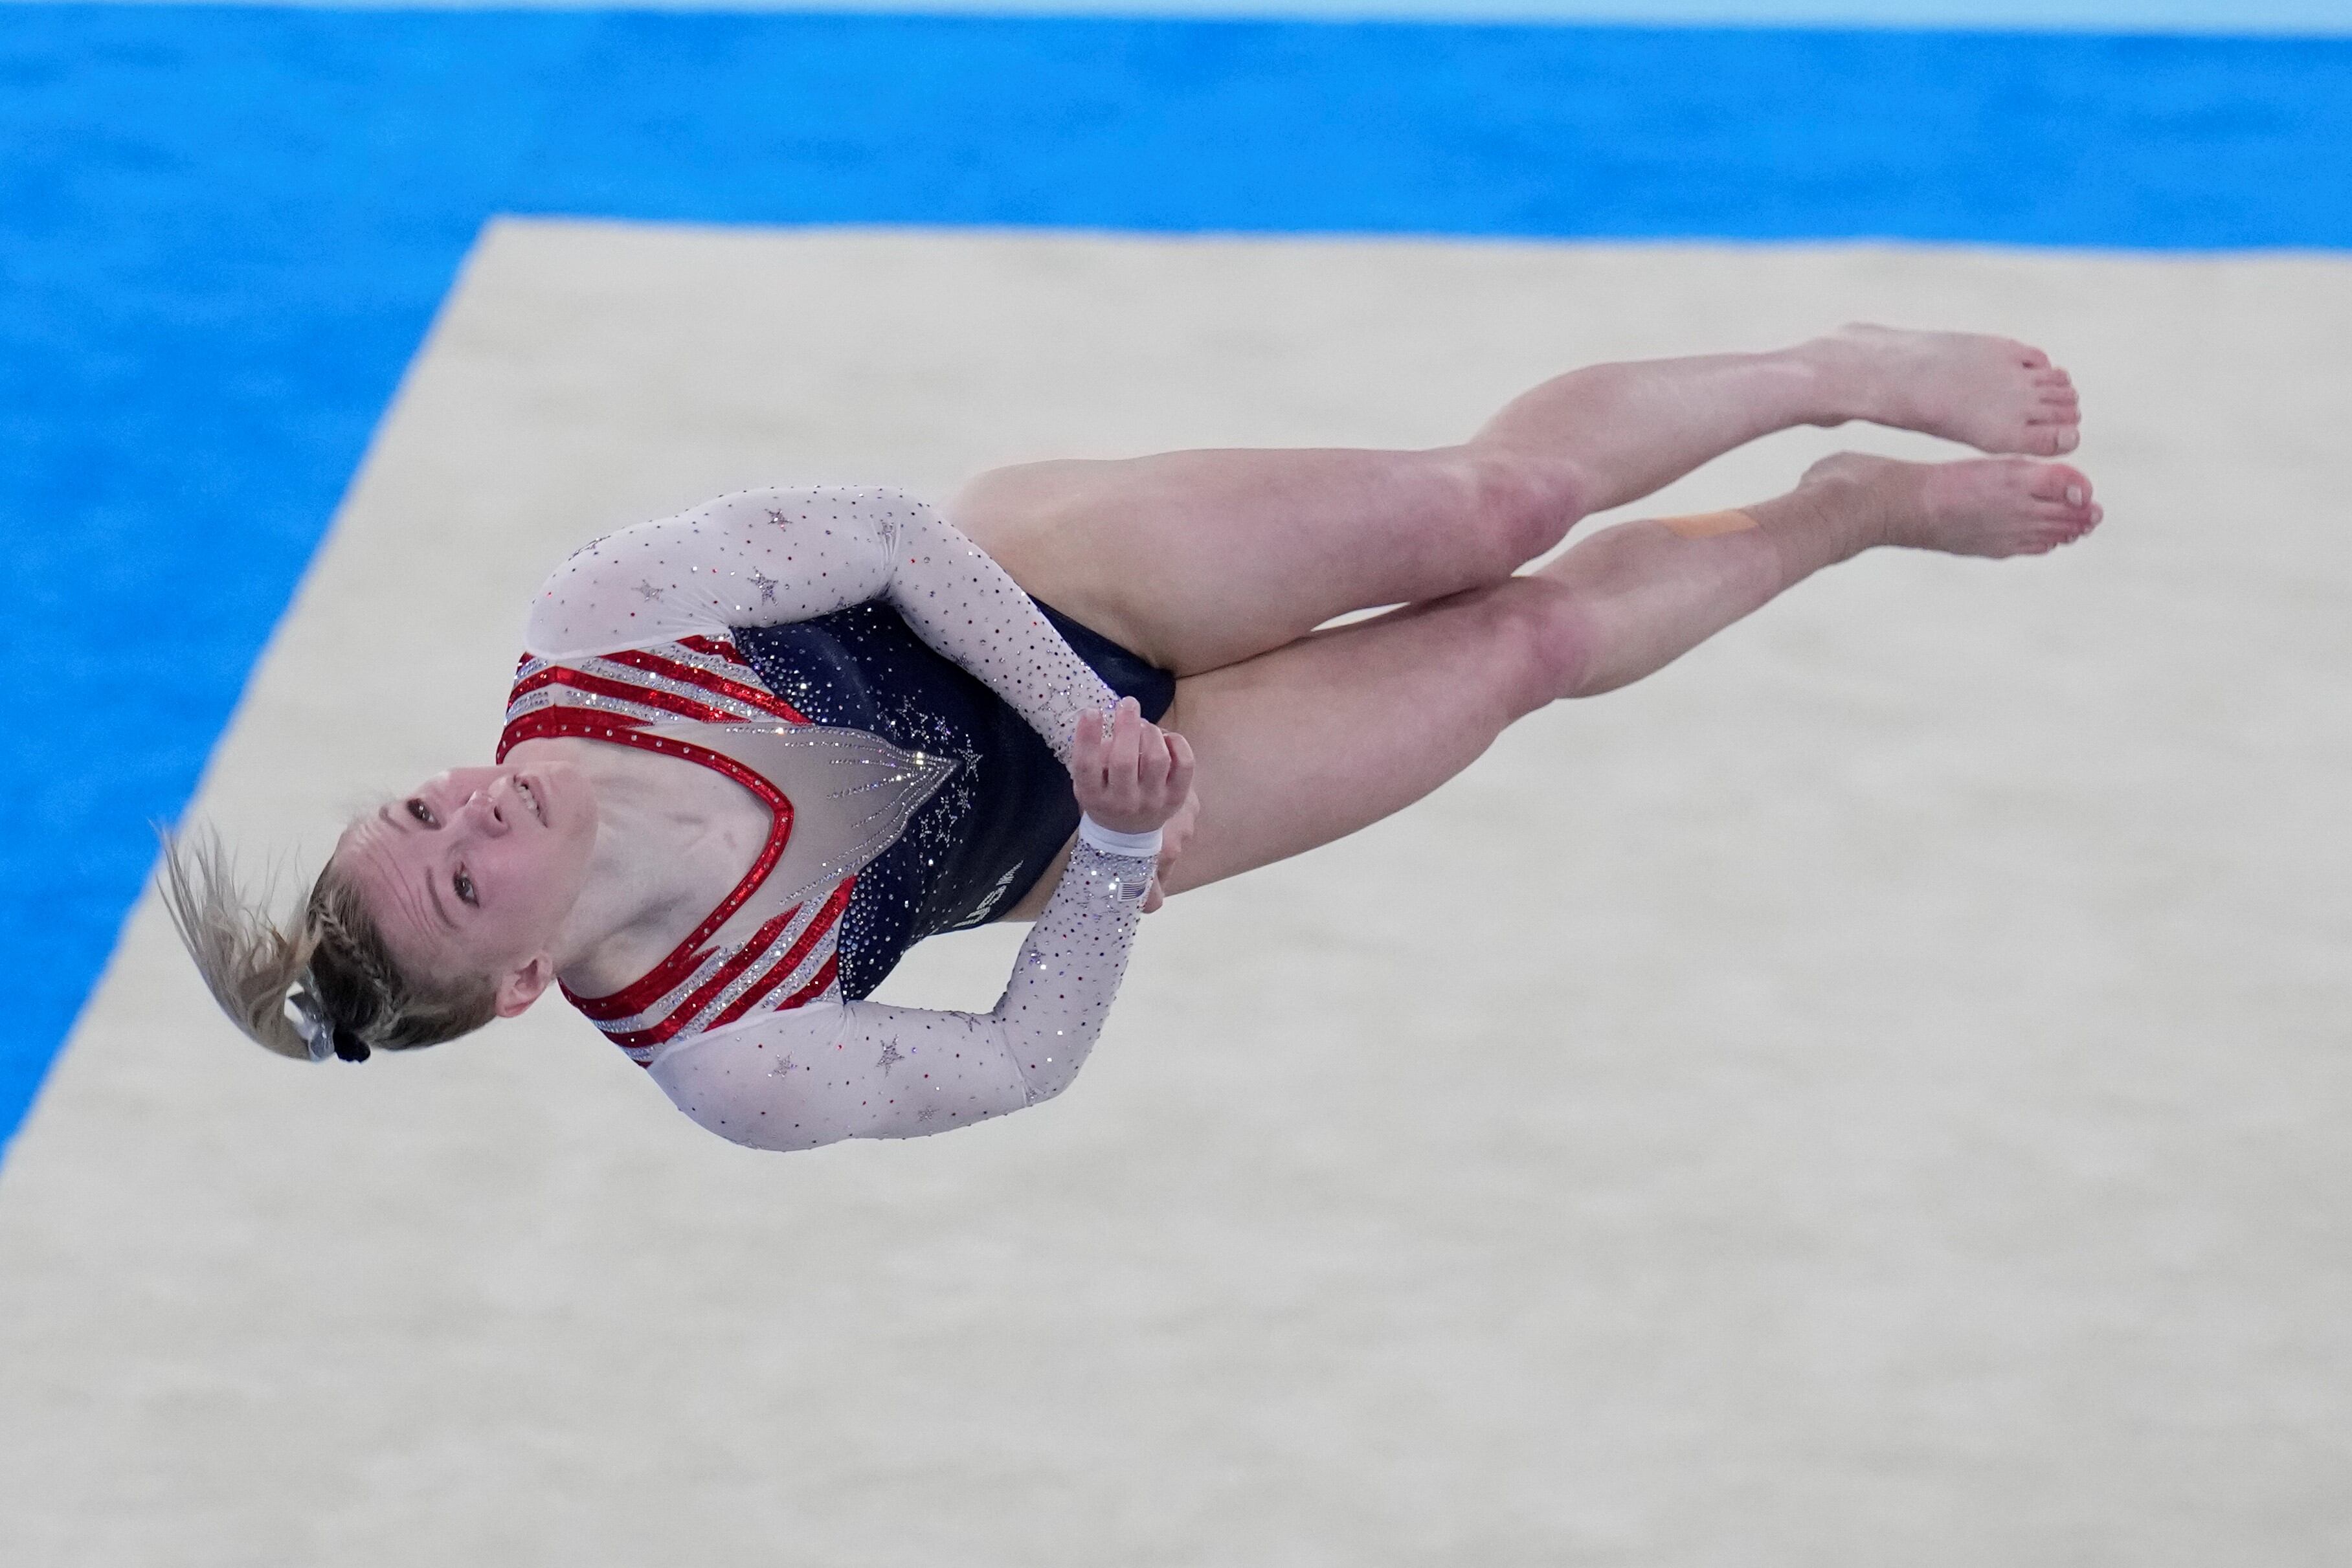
(819, 1074)
(767, 557)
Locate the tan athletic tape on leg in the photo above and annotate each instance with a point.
(1707, 524)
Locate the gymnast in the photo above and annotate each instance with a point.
(756, 751)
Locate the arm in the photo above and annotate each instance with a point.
(815, 1076)
(800, 1080)
(764, 557)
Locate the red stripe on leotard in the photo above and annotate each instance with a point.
(825, 921)
(626, 691)
(693, 675)
(717, 648)
(679, 1016)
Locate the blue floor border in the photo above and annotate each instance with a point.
(223, 232)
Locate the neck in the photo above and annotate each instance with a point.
(646, 886)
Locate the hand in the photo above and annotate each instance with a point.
(1128, 775)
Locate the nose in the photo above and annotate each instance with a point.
(484, 812)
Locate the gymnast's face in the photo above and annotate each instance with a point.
(473, 871)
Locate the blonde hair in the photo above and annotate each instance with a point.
(335, 950)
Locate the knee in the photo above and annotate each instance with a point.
(1524, 504)
(1551, 639)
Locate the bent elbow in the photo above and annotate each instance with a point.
(1048, 1064)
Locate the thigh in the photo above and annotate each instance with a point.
(1325, 736)
(1315, 741)
(1202, 560)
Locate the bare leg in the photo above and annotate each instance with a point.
(1312, 742)
(1634, 432)
(1200, 560)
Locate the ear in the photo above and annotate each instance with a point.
(519, 988)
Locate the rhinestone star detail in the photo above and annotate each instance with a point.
(782, 1067)
(891, 1056)
(767, 586)
(927, 1113)
(648, 590)
(777, 516)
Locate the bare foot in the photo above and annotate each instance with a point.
(1996, 394)
(1981, 505)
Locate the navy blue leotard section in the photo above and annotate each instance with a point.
(983, 840)
(223, 232)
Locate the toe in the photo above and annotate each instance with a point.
(2031, 357)
(2057, 482)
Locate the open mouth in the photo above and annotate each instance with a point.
(531, 798)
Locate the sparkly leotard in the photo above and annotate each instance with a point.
(795, 641)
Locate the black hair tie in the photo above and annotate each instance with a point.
(349, 1046)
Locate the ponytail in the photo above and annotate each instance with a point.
(329, 978)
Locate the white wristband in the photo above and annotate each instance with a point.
(1135, 845)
